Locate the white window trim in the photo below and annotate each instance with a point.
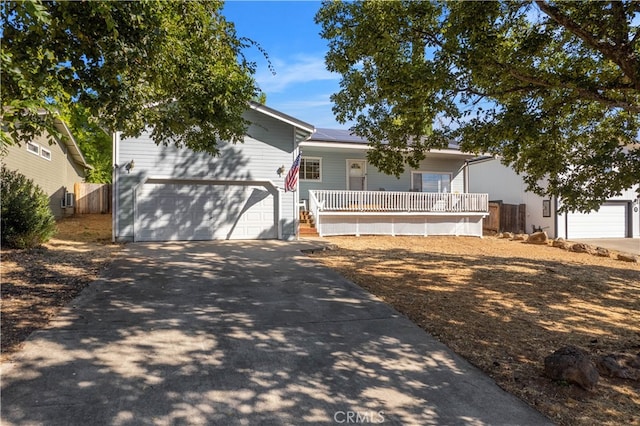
(319, 159)
(37, 151)
(430, 172)
(44, 150)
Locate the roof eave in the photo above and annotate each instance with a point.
(366, 147)
(282, 117)
(72, 146)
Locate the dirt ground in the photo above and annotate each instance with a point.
(37, 283)
(505, 305)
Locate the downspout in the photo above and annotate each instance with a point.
(296, 199)
(555, 217)
(114, 179)
(465, 173)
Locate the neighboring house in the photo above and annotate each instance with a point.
(55, 168)
(348, 196)
(162, 193)
(618, 217)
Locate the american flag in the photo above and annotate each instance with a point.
(291, 181)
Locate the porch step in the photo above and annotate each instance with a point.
(307, 231)
(307, 226)
(306, 218)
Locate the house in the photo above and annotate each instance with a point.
(54, 167)
(163, 193)
(618, 217)
(348, 196)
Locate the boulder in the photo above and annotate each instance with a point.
(561, 243)
(572, 365)
(582, 248)
(519, 237)
(506, 235)
(627, 257)
(602, 252)
(538, 238)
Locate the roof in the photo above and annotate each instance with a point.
(346, 136)
(337, 135)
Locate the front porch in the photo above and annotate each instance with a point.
(397, 213)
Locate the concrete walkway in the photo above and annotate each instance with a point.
(241, 333)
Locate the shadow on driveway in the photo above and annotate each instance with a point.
(240, 333)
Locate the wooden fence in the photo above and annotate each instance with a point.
(92, 198)
(505, 218)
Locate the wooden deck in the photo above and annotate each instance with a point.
(397, 213)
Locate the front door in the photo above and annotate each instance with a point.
(356, 175)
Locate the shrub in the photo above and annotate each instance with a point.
(26, 220)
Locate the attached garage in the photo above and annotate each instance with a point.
(186, 210)
(610, 221)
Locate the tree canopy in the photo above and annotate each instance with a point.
(552, 88)
(175, 66)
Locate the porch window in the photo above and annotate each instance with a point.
(310, 169)
(431, 182)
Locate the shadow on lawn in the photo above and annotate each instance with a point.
(506, 314)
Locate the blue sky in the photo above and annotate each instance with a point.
(287, 31)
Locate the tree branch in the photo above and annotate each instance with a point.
(582, 92)
(621, 54)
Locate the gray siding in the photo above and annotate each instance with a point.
(54, 176)
(334, 172)
(269, 144)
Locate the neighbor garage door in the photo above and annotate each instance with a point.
(180, 212)
(610, 221)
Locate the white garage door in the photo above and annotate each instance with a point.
(182, 212)
(610, 221)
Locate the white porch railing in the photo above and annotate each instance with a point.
(388, 201)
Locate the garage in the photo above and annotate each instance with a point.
(172, 210)
(610, 221)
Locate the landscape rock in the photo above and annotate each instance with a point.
(519, 237)
(622, 366)
(538, 238)
(602, 252)
(506, 235)
(572, 365)
(627, 257)
(582, 248)
(561, 243)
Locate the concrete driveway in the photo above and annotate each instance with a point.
(241, 333)
(626, 245)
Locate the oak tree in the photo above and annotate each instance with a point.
(174, 66)
(552, 88)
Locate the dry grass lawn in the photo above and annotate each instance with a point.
(505, 305)
(37, 283)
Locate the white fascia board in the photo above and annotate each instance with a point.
(282, 117)
(365, 147)
(334, 145)
(71, 144)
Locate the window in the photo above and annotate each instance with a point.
(431, 182)
(45, 153)
(310, 169)
(33, 148)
